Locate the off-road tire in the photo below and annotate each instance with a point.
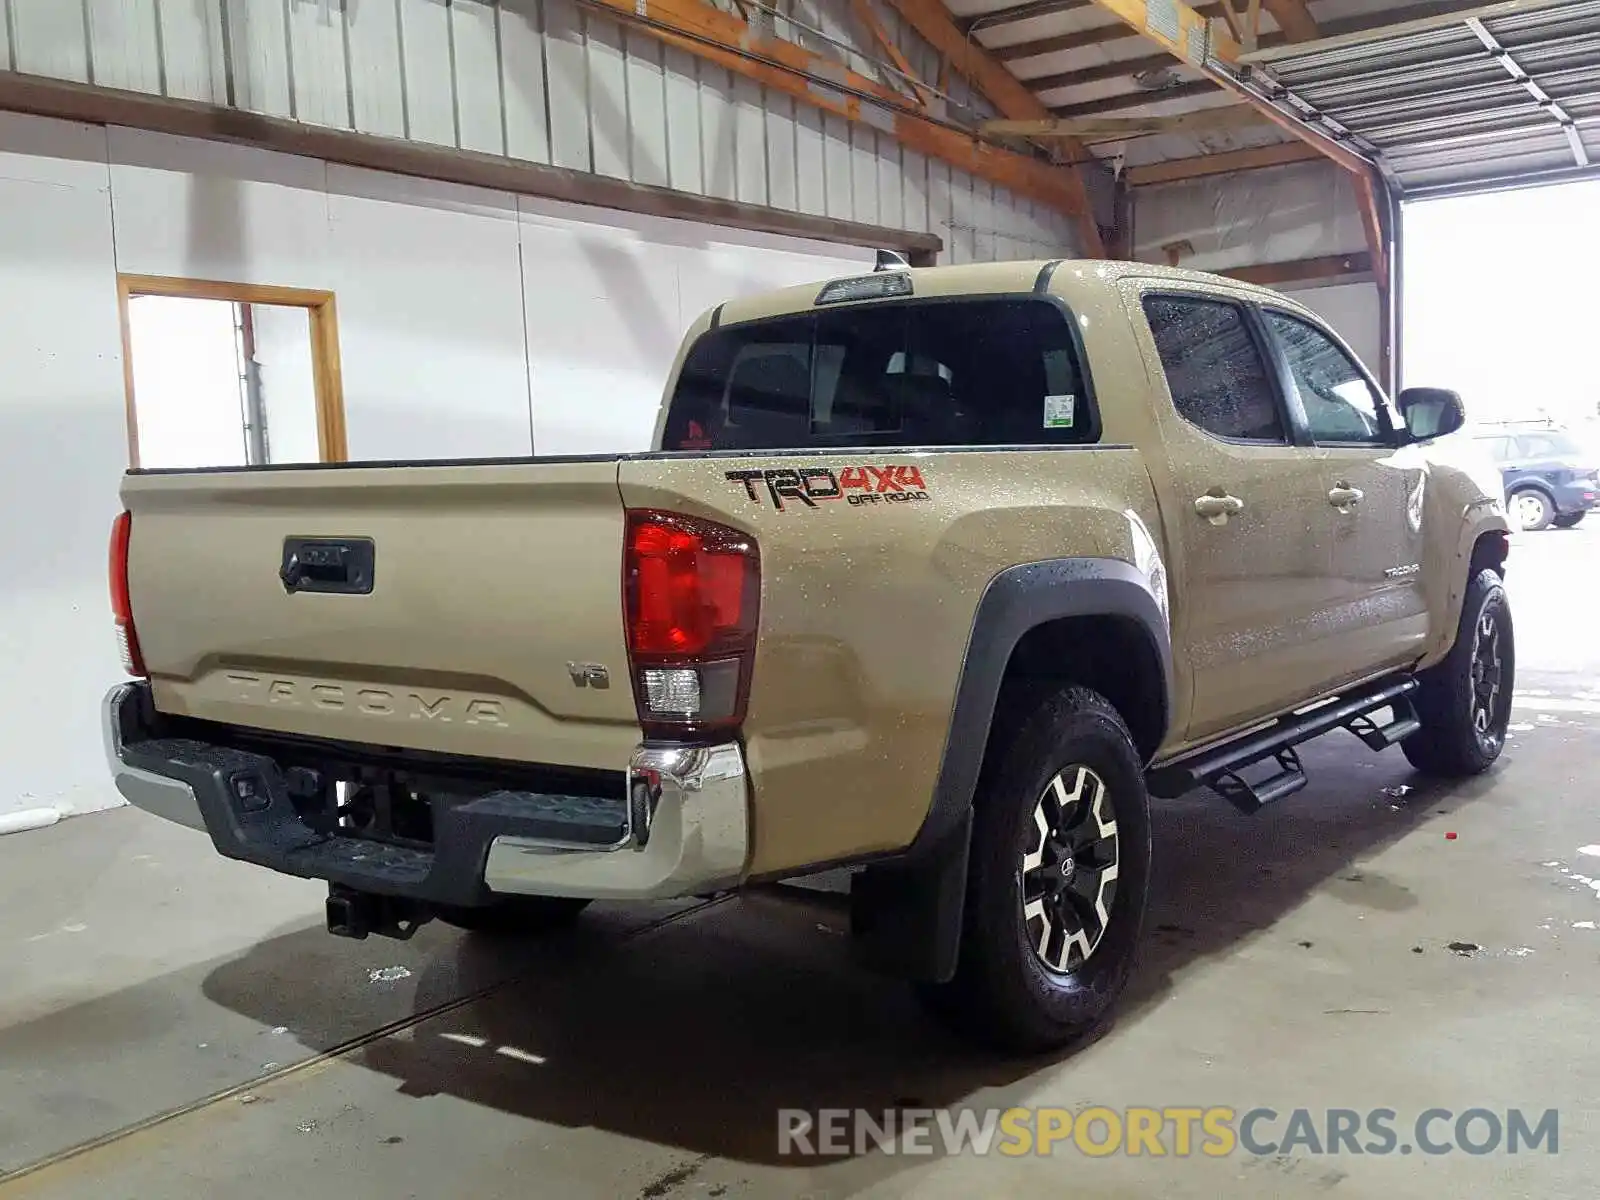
(1450, 744)
(515, 916)
(1003, 995)
(1568, 520)
(1521, 501)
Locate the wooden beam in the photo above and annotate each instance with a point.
(67, 101)
(1142, 99)
(1115, 32)
(1110, 129)
(1000, 18)
(874, 27)
(1294, 18)
(1100, 73)
(1302, 270)
(933, 23)
(1227, 163)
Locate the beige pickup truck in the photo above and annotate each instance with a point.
(936, 574)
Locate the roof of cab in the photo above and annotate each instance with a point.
(975, 279)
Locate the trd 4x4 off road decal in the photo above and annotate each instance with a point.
(813, 485)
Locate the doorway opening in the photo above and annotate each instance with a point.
(227, 375)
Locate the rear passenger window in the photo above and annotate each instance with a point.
(1214, 368)
(918, 373)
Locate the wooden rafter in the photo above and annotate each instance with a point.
(869, 21)
(1143, 99)
(723, 38)
(1293, 17)
(1303, 270)
(1226, 163)
(1110, 129)
(1012, 97)
(1123, 69)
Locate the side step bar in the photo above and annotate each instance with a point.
(1221, 768)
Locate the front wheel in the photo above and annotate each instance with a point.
(514, 916)
(1532, 509)
(1464, 702)
(1058, 880)
(1567, 520)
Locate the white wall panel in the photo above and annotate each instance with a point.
(124, 52)
(192, 52)
(685, 171)
(475, 46)
(750, 142)
(567, 82)
(719, 134)
(647, 113)
(430, 317)
(317, 64)
(49, 38)
(608, 99)
(523, 80)
(63, 447)
(781, 134)
(377, 87)
(810, 160)
(428, 73)
(259, 50)
(202, 210)
(836, 161)
(1304, 211)
(863, 175)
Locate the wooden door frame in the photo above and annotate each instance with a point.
(323, 319)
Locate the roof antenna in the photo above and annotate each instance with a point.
(889, 260)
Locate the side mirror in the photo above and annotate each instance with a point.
(1431, 412)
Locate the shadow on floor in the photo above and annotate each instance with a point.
(697, 1033)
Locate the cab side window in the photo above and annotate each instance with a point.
(1215, 371)
(1341, 406)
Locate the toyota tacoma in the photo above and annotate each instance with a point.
(934, 574)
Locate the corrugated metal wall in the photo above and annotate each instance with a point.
(545, 81)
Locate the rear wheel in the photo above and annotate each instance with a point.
(1464, 702)
(1532, 509)
(1059, 876)
(1567, 520)
(513, 916)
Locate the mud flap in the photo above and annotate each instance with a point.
(905, 917)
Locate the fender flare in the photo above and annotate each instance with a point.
(906, 912)
(1017, 601)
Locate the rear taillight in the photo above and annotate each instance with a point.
(691, 591)
(121, 607)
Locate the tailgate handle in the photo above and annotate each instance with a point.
(327, 565)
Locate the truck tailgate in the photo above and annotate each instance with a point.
(491, 622)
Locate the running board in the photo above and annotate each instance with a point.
(1222, 768)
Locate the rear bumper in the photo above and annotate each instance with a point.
(682, 828)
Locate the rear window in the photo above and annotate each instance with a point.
(917, 373)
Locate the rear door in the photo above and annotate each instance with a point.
(1369, 509)
(1236, 497)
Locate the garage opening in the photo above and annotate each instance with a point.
(222, 374)
(1497, 307)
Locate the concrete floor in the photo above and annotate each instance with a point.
(178, 1025)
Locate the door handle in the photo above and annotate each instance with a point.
(1344, 497)
(1218, 508)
